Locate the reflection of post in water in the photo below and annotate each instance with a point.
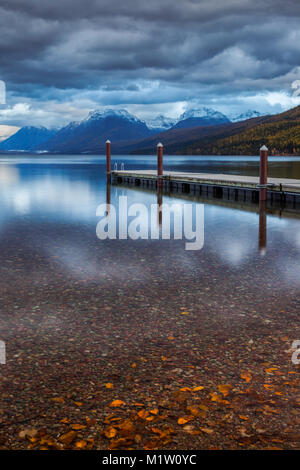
(160, 172)
(262, 235)
(108, 194)
(159, 202)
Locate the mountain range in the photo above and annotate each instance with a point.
(196, 131)
(280, 132)
(27, 138)
(89, 135)
(244, 116)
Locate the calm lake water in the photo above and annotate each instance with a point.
(48, 206)
(104, 304)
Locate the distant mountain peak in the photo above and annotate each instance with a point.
(201, 112)
(90, 134)
(27, 138)
(249, 114)
(109, 112)
(160, 122)
(201, 116)
(34, 128)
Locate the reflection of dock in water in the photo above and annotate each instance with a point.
(227, 187)
(274, 207)
(159, 200)
(263, 209)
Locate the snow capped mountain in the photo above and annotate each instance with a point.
(72, 125)
(117, 125)
(106, 113)
(207, 113)
(161, 123)
(91, 134)
(201, 117)
(247, 115)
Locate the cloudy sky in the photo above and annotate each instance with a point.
(63, 58)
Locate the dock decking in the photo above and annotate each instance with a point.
(274, 184)
(236, 187)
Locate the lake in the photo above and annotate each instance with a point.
(146, 316)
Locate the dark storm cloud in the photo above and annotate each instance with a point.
(51, 49)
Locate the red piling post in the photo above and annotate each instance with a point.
(108, 157)
(263, 173)
(160, 160)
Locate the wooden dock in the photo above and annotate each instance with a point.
(237, 187)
